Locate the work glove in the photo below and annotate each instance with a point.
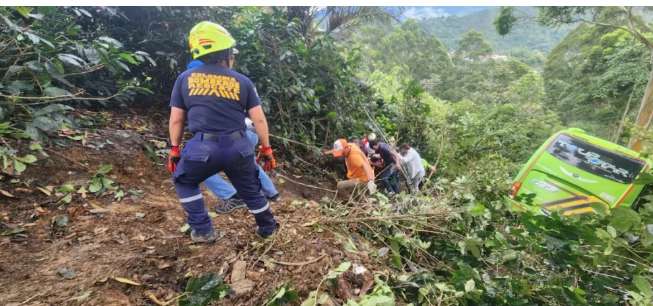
(371, 186)
(265, 155)
(173, 160)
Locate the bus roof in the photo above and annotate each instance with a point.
(579, 133)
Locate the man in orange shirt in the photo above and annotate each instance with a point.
(359, 172)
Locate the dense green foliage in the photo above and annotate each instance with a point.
(592, 73)
(528, 42)
(478, 119)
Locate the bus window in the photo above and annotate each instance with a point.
(595, 160)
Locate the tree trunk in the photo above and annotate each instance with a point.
(623, 118)
(644, 115)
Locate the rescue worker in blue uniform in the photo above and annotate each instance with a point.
(214, 100)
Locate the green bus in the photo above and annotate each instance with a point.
(573, 171)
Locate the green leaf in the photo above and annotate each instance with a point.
(96, 185)
(29, 159)
(128, 58)
(52, 108)
(45, 123)
(377, 300)
(108, 184)
(14, 69)
(56, 92)
(624, 218)
(20, 167)
(343, 267)
(105, 169)
(608, 250)
(66, 199)
(184, 228)
(72, 59)
(612, 231)
(35, 147)
(85, 12)
(470, 285)
(111, 41)
(119, 194)
(643, 285)
(600, 282)
(66, 188)
(22, 10)
(47, 9)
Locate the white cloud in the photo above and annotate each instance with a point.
(425, 12)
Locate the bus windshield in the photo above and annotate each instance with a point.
(595, 160)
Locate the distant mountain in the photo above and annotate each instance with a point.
(526, 36)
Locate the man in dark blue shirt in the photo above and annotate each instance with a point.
(213, 99)
(391, 164)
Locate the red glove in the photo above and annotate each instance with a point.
(265, 155)
(173, 160)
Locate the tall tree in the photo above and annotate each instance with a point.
(626, 18)
(473, 45)
(317, 20)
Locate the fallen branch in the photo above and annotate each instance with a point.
(68, 159)
(283, 224)
(298, 263)
(27, 301)
(378, 218)
(305, 185)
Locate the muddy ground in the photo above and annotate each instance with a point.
(138, 237)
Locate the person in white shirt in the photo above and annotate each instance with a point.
(413, 165)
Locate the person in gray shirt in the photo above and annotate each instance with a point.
(413, 165)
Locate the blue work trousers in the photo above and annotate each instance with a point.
(389, 173)
(224, 191)
(201, 159)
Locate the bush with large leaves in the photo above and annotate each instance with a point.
(50, 56)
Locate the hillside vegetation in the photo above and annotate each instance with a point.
(89, 214)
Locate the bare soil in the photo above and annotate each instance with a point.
(138, 237)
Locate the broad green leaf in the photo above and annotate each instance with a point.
(470, 285)
(85, 12)
(111, 41)
(29, 159)
(624, 218)
(608, 250)
(35, 147)
(600, 282)
(105, 169)
(108, 184)
(119, 194)
(612, 231)
(22, 10)
(184, 228)
(128, 58)
(67, 198)
(643, 285)
(45, 123)
(377, 300)
(20, 167)
(95, 186)
(56, 92)
(50, 109)
(47, 9)
(72, 59)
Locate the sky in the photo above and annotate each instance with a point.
(421, 12)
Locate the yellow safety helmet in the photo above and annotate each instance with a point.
(207, 37)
